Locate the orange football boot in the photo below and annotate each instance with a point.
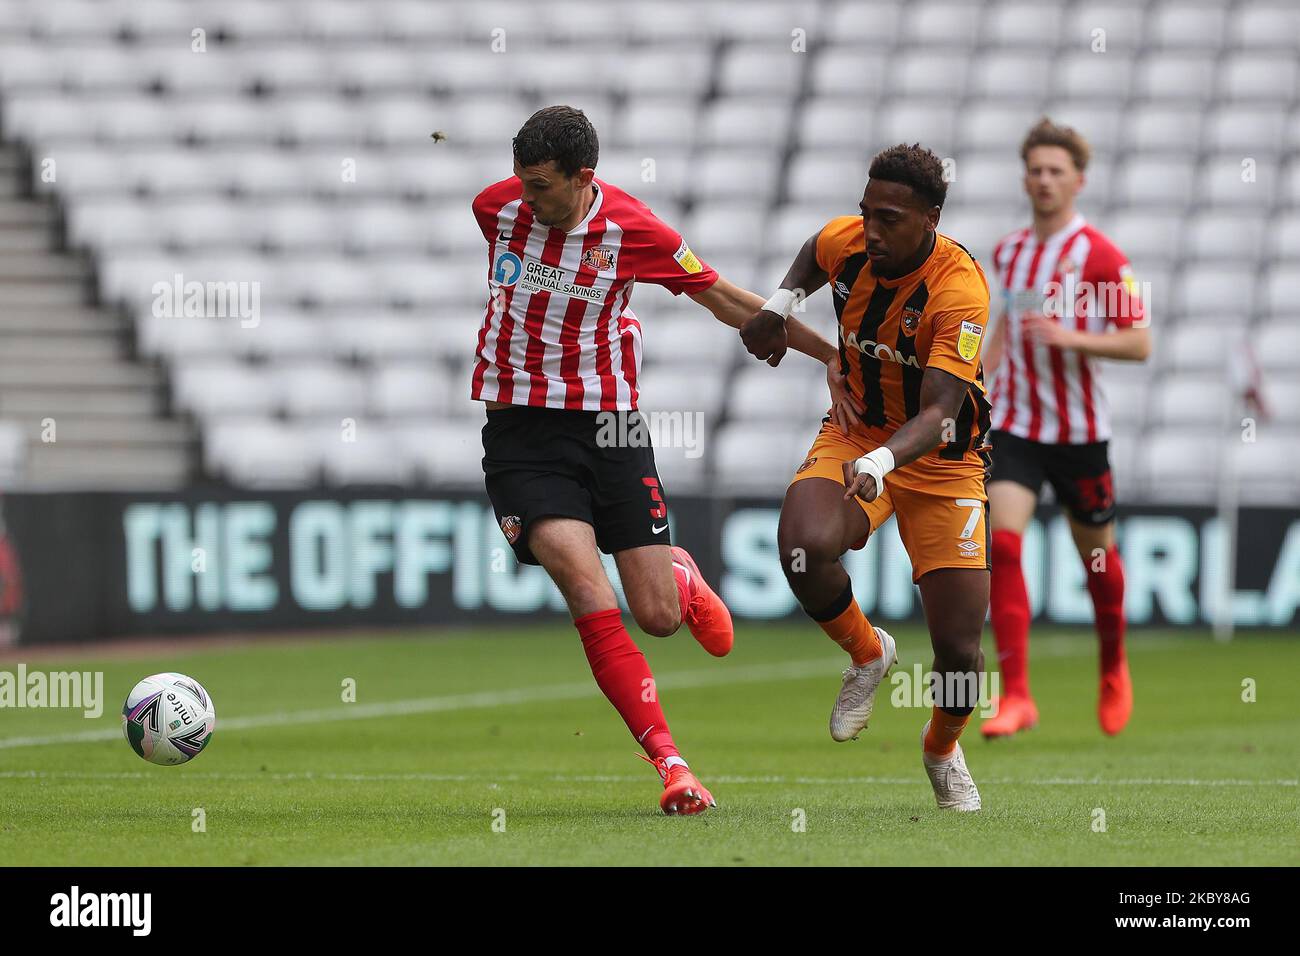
(1115, 703)
(1014, 715)
(683, 793)
(706, 616)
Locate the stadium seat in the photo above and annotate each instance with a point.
(1219, 236)
(1265, 25)
(734, 228)
(320, 389)
(1192, 399)
(837, 123)
(1246, 131)
(1164, 182)
(993, 126)
(1215, 290)
(766, 68)
(367, 455)
(1164, 128)
(1260, 78)
(259, 453)
(224, 388)
(1176, 76)
(846, 71)
(939, 24)
(1018, 24)
(1233, 181)
(1011, 76)
(1146, 236)
(1171, 466)
(815, 178)
(1093, 76)
(876, 26)
(761, 123)
(1182, 26)
(1192, 347)
(759, 393)
(755, 457)
(928, 73)
(926, 122)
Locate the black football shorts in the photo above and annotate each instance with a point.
(1079, 474)
(597, 467)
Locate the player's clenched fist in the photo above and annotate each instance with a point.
(765, 337)
(863, 485)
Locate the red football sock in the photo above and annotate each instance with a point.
(1106, 586)
(1009, 606)
(624, 676)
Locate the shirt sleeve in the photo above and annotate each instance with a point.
(669, 262)
(486, 210)
(831, 242)
(959, 333)
(1121, 304)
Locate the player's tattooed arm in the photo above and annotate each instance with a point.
(769, 330)
(734, 306)
(941, 396)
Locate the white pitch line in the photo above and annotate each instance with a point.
(756, 673)
(620, 778)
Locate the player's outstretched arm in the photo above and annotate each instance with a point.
(769, 328)
(997, 344)
(735, 306)
(1132, 344)
(941, 396)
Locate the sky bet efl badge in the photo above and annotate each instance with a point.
(686, 259)
(968, 342)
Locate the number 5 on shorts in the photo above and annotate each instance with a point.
(976, 509)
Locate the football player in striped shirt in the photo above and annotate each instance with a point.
(912, 306)
(1068, 299)
(559, 353)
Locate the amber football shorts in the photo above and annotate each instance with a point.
(942, 517)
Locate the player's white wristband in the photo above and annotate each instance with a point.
(782, 303)
(877, 464)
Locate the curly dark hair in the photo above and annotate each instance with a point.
(561, 133)
(913, 166)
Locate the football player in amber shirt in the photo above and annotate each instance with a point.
(912, 307)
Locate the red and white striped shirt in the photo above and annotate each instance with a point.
(1040, 392)
(559, 331)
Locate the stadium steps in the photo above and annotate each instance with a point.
(67, 360)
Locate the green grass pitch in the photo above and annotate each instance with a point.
(453, 731)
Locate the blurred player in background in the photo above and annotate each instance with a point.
(1069, 298)
(912, 306)
(558, 357)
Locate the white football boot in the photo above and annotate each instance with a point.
(857, 694)
(953, 787)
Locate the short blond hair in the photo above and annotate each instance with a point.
(1047, 133)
